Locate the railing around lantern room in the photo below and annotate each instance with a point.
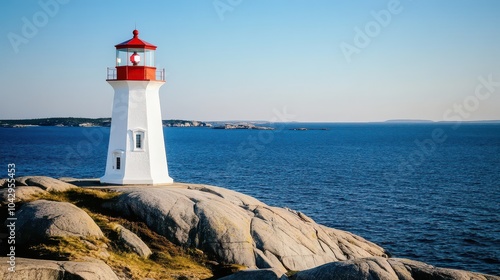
(112, 74)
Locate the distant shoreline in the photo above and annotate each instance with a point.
(87, 122)
(106, 122)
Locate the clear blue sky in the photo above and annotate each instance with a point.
(247, 59)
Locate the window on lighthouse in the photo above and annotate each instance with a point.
(118, 163)
(138, 138)
(138, 141)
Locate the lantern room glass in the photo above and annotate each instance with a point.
(123, 57)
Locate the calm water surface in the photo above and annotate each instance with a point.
(438, 202)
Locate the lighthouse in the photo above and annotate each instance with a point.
(136, 150)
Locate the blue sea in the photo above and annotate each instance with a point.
(428, 192)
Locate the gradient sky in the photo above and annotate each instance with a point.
(248, 59)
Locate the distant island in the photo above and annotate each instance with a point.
(184, 123)
(242, 126)
(88, 122)
(71, 122)
(408, 121)
(306, 129)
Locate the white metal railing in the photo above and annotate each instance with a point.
(111, 73)
(160, 74)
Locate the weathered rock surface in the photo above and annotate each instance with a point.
(387, 269)
(41, 219)
(4, 183)
(132, 242)
(256, 274)
(23, 193)
(236, 228)
(45, 183)
(55, 270)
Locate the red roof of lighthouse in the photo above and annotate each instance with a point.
(135, 42)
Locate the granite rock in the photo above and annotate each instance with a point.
(39, 220)
(386, 269)
(235, 228)
(45, 183)
(56, 270)
(21, 194)
(4, 183)
(132, 242)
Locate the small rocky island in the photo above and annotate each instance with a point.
(306, 129)
(78, 229)
(244, 125)
(184, 123)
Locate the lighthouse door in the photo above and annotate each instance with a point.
(118, 158)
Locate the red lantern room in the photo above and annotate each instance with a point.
(135, 60)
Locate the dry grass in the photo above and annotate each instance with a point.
(68, 248)
(133, 267)
(125, 264)
(168, 261)
(87, 198)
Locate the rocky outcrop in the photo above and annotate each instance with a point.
(29, 187)
(23, 193)
(45, 183)
(51, 270)
(237, 229)
(387, 269)
(132, 242)
(39, 220)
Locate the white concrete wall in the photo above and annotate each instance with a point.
(136, 107)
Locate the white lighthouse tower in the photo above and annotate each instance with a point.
(136, 151)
